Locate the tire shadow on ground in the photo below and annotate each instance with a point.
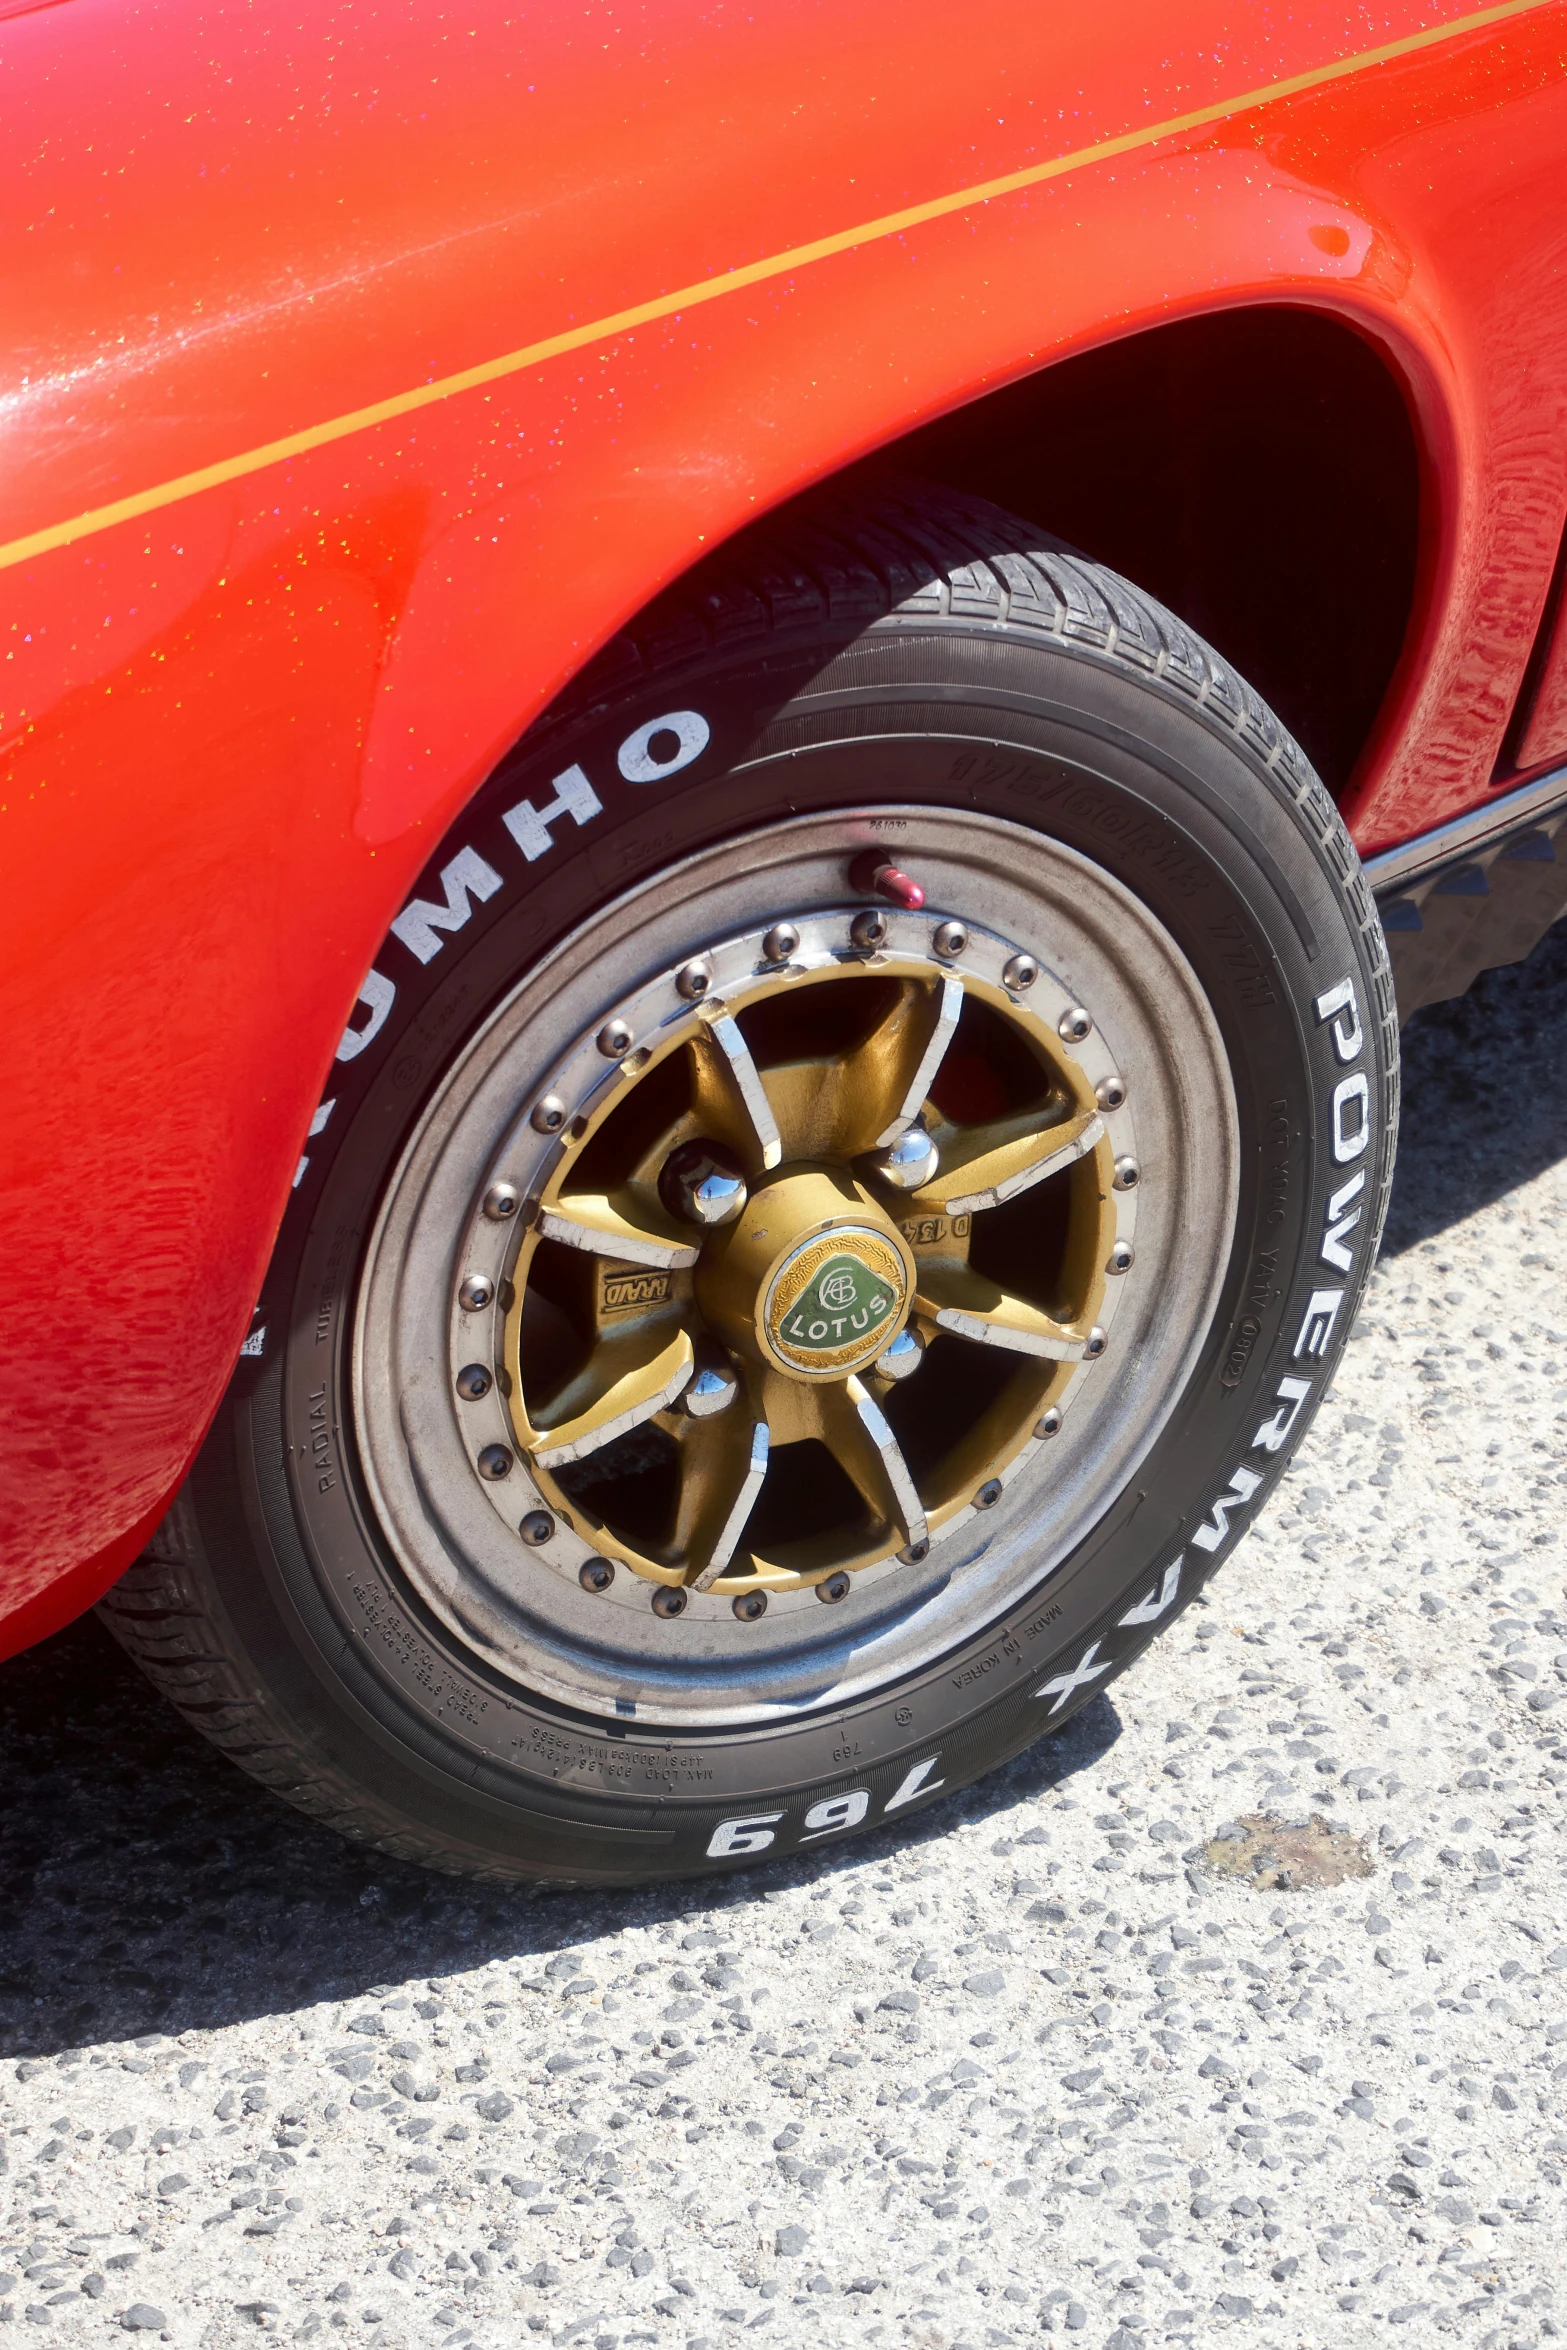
(152, 1888)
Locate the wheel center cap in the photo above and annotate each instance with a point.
(835, 1301)
(812, 1279)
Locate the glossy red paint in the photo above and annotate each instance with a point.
(236, 719)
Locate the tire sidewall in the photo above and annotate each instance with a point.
(1247, 874)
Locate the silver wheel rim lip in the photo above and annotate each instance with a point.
(519, 1609)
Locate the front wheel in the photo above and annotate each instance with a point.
(844, 1189)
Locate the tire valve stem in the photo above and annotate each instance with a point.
(873, 874)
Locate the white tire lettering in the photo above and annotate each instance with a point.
(1333, 1251)
(1340, 1006)
(639, 763)
(1149, 1610)
(838, 1812)
(380, 995)
(1317, 1322)
(1349, 1142)
(1243, 1484)
(530, 826)
(752, 1835)
(465, 878)
(914, 1783)
(1273, 1435)
(1082, 1673)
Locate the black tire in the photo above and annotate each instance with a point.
(917, 648)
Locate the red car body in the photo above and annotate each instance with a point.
(338, 340)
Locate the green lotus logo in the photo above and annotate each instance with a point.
(831, 1308)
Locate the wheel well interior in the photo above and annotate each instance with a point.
(1256, 469)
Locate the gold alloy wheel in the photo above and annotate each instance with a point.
(818, 1257)
(594, 1367)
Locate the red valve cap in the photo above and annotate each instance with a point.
(873, 874)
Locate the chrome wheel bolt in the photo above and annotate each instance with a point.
(614, 1040)
(868, 929)
(694, 979)
(548, 1114)
(951, 939)
(1020, 973)
(1120, 1260)
(750, 1606)
(1049, 1423)
(780, 942)
(835, 1587)
(495, 1463)
(714, 1385)
(906, 1163)
(1074, 1025)
(1097, 1341)
(595, 1575)
(903, 1357)
(989, 1494)
(501, 1202)
(473, 1380)
(476, 1293)
(669, 1599)
(1110, 1093)
(536, 1528)
(915, 1555)
(1127, 1172)
(704, 1183)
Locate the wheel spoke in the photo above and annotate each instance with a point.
(941, 1020)
(625, 1383)
(722, 1467)
(971, 1305)
(983, 1165)
(631, 1223)
(724, 1061)
(845, 1104)
(855, 1429)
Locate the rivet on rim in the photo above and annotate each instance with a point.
(477, 1292)
(495, 1462)
(1048, 1423)
(501, 1202)
(750, 1606)
(614, 1040)
(694, 979)
(1120, 1259)
(548, 1114)
(868, 929)
(536, 1527)
(473, 1380)
(835, 1587)
(1074, 1024)
(915, 1555)
(1097, 1341)
(1127, 1173)
(669, 1599)
(596, 1575)
(1110, 1092)
(1020, 973)
(989, 1494)
(780, 942)
(950, 939)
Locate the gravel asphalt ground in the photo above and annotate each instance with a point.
(1033, 2070)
